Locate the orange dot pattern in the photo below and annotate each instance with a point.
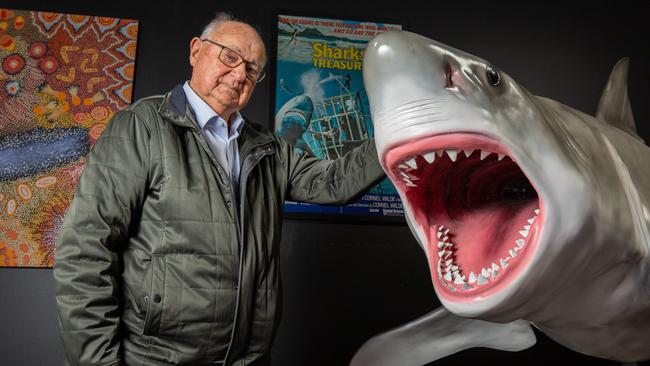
(67, 71)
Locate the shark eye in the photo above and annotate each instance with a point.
(493, 76)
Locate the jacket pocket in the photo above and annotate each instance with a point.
(155, 295)
(130, 300)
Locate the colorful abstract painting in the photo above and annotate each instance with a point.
(62, 77)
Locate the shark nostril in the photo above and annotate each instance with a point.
(449, 83)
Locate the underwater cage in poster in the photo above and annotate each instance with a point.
(320, 102)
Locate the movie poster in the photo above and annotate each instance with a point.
(321, 105)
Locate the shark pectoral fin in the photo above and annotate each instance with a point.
(440, 334)
(614, 105)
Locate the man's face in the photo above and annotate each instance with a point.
(223, 88)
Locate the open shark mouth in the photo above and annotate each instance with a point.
(478, 210)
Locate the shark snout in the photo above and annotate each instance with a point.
(402, 67)
(415, 86)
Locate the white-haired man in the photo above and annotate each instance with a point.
(169, 252)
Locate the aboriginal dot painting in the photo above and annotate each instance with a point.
(62, 77)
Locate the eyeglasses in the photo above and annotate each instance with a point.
(232, 59)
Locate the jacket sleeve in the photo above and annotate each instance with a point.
(337, 181)
(86, 266)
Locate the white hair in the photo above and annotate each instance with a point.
(219, 19)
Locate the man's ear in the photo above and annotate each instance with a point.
(195, 47)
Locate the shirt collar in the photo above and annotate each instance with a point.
(204, 112)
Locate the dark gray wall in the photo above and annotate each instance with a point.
(344, 282)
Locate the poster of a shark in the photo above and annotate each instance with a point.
(530, 213)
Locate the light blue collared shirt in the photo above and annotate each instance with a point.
(215, 130)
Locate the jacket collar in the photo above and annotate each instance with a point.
(176, 109)
(251, 137)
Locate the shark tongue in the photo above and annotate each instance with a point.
(486, 235)
(485, 250)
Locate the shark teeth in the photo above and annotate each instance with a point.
(472, 278)
(482, 280)
(453, 154)
(519, 243)
(454, 278)
(413, 163)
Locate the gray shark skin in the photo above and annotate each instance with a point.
(528, 211)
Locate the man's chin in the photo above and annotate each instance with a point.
(230, 99)
(234, 94)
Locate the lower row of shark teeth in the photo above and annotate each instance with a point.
(450, 274)
(430, 157)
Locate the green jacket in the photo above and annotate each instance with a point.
(156, 264)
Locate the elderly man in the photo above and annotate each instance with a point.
(169, 252)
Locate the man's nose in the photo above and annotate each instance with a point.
(239, 72)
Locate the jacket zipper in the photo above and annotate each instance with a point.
(258, 154)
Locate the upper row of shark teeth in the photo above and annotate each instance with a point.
(431, 156)
(449, 273)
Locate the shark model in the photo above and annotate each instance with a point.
(529, 212)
